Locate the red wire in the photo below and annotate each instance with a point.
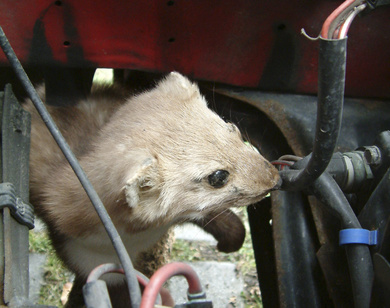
(344, 27)
(332, 17)
(102, 269)
(162, 275)
(282, 163)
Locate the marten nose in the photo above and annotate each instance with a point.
(278, 185)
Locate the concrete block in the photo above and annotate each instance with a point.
(220, 280)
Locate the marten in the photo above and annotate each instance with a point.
(156, 159)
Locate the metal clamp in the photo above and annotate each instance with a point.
(358, 236)
(22, 212)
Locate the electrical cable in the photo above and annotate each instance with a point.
(100, 270)
(331, 81)
(328, 24)
(282, 163)
(290, 157)
(163, 274)
(324, 187)
(134, 290)
(338, 17)
(345, 26)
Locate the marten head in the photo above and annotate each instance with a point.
(188, 160)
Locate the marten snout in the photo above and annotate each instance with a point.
(278, 185)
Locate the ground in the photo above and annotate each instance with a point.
(192, 249)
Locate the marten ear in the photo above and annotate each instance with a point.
(144, 177)
(178, 86)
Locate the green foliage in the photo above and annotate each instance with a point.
(56, 275)
(39, 242)
(244, 260)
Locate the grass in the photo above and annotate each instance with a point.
(244, 260)
(56, 274)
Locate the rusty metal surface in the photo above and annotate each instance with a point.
(295, 116)
(245, 43)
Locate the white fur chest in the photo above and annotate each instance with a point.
(88, 252)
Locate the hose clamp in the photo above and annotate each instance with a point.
(358, 236)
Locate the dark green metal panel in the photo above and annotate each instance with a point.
(15, 145)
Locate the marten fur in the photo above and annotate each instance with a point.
(156, 159)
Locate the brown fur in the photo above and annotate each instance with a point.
(149, 158)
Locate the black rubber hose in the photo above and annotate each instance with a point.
(132, 282)
(359, 259)
(298, 271)
(331, 81)
(326, 189)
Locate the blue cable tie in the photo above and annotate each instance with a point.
(358, 236)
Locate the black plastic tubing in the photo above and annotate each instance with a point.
(331, 82)
(359, 259)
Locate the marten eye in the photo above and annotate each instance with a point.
(218, 178)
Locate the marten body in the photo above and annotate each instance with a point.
(156, 159)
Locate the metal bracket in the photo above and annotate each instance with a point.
(197, 300)
(22, 212)
(196, 304)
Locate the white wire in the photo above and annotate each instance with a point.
(348, 21)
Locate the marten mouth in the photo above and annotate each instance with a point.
(245, 200)
(261, 197)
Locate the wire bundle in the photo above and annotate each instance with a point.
(336, 26)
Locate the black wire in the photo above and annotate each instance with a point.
(359, 259)
(135, 293)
